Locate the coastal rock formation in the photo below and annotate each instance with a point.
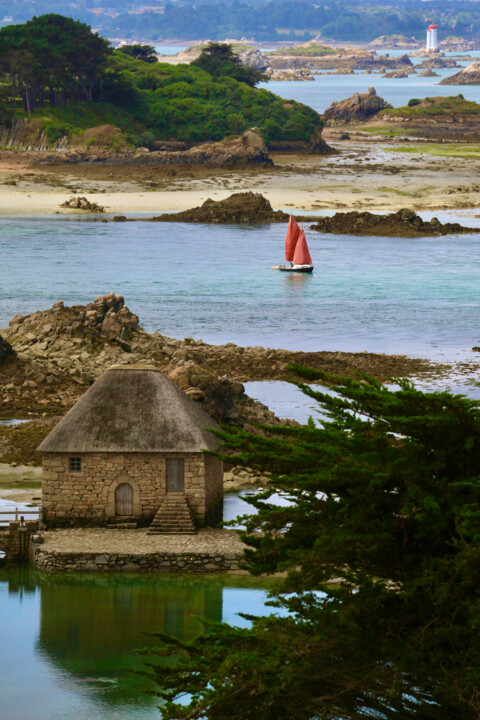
(81, 203)
(253, 58)
(239, 208)
(466, 76)
(62, 350)
(106, 318)
(404, 223)
(393, 42)
(247, 149)
(428, 73)
(438, 62)
(6, 351)
(290, 74)
(401, 73)
(343, 58)
(360, 106)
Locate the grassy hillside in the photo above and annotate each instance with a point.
(313, 49)
(435, 106)
(160, 102)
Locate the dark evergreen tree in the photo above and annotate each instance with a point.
(146, 53)
(380, 542)
(53, 58)
(219, 60)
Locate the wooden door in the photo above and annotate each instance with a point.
(124, 499)
(175, 475)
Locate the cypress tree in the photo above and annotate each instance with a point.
(380, 606)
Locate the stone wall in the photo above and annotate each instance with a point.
(168, 562)
(88, 497)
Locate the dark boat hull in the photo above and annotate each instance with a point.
(302, 269)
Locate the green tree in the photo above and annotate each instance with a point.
(380, 542)
(146, 53)
(53, 59)
(218, 59)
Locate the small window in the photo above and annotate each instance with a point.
(75, 465)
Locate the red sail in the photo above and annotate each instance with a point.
(302, 253)
(293, 233)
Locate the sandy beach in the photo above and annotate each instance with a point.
(363, 175)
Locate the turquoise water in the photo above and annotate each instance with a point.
(68, 642)
(413, 296)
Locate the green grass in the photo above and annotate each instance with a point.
(384, 131)
(440, 150)
(394, 190)
(312, 50)
(434, 106)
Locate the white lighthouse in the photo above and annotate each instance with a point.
(432, 38)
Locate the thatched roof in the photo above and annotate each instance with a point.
(132, 410)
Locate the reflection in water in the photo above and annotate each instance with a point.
(90, 627)
(296, 281)
(72, 639)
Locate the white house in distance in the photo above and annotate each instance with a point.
(432, 44)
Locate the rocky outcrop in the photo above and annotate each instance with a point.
(81, 203)
(239, 208)
(352, 58)
(404, 223)
(247, 149)
(466, 76)
(253, 58)
(106, 318)
(438, 62)
(401, 73)
(361, 106)
(393, 42)
(290, 75)
(428, 73)
(6, 351)
(62, 350)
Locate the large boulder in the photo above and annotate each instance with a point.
(239, 208)
(466, 76)
(253, 58)
(361, 106)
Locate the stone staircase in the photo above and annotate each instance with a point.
(174, 517)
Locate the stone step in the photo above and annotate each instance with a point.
(174, 517)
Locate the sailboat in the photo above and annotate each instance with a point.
(296, 250)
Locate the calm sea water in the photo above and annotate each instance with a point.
(413, 296)
(327, 89)
(69, 642)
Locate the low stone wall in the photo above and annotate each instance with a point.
(168, 562)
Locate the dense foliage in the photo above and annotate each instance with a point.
(181, 102)
(140, 52)
(69, 78)
(381, 541)
(53, 59)
(360, 20)
(219, 60)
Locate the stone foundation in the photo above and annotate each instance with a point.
(167, 562)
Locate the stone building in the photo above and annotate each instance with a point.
(132, 450)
